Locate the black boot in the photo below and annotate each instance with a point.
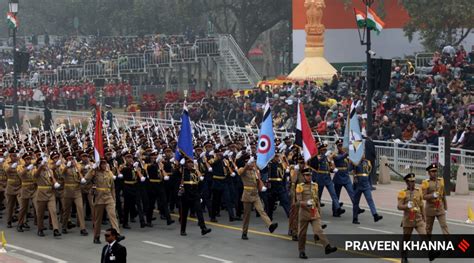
(272, 227)
(26, 226)
(323, 226)
(64, 231)
(328, 249)
(169, 222)
(377, 218)
(84, 232)
(294, 238)
(404, 260)
(56, 233)
(97, 240)
(360, 211)
(120, 238)
(355, 221)
(205, 231)
(40, 233)
(244, 237)
(9, 225)
(339, 212)
(19, 228)
(303, 255)
(183, 233)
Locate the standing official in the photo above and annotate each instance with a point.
(113, 252)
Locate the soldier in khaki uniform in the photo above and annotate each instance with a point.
(28, 189)
(436, 205)
(45, 196)
(309, 206)
(3, 181)
(85, 166)
(72, 193)
(10, 166)
(250, 197)
(296, 177)
(103, 179)
(410, 201)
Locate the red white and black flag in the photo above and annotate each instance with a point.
(304, 137)
(98, 143)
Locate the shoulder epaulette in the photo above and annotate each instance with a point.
(402, 194)
(425, 184)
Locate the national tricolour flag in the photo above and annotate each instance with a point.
(12, 20)
(266, 139)
(374, 21)
(185, 137)
(360, 17)
(304, 137)
(98, 142)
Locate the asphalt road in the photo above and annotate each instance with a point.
(164, 244)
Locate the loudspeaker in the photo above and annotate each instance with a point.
(382, 71)
(99, 82)
(22, 59)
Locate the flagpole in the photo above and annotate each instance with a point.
(369, 77)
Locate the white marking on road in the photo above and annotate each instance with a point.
(22, 257)
(57, 260)
(157, 244)
(376, 230)
(216, 259)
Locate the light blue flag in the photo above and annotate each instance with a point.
(266, 139)
(356, 142)
(185, 138)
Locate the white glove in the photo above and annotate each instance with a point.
(124, 150)
(230, 153)
(95, 165)
(42, 155)
(233, 174)
(142, 179)
(251, 160)
(209, 169)
(2, 160)
(135, 164)
(264, 189)
(137, 154)
(410, 204)
(218, 145)
(287, 170)
(239, 154)
(335, 170)
(172, 160)
(87, 167)
(14, 165)
(211, 153)
(69, 163)
(202, 155)
(435, 194)
(201, 178)
(166, 178)
(84, 181)
(44, 161)
(56, 185)
(58, 162)
(445, 212)
(226, 153)
(297, 167)
(328, 153)
(120, 176)
(114, 155)
(30, 167)
(115, 177)
(195, 162)
(159, 158)
(309, 202)
(182, 162)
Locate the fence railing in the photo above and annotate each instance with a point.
(355, 71)
(423, 59)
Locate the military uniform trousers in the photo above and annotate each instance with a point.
(277, 192)
(99, 214)
(221, 193)
(324, 180)
(317, 231)
(248, 210)
(12, 201)
(157, 196)
(41, 207)
(77, 201)
(132, 199)
(442, 224)
(24, 206)
(194, 205)
(363, 187)
(342, 180)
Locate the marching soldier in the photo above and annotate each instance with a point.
(220, 185)
(3, 180)
(296, 177)
(436, 205)
(45, 196)
(73, 179)
(190, 196)
(362, 186)
(309, 213)
(28, 189)
(10, 166)
(103, 179)
(278, 174)
(86, 189)
(251, 180)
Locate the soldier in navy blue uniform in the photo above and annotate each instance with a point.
(321, 175)
(205, 185)
(362, 186)
(277, 177)
(221, 185)
(341, 177)
(190, 196)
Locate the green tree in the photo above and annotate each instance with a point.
(439, 21)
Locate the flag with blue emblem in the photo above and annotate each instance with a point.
(356, 142)
(185, 138)
(266, 139)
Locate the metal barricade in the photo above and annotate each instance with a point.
(133, 63)
(94, 69)
(183, 54)
(43, 76)
(355, 71)
(423, 59)
(66, 73)
(207, 47)
(159, 58)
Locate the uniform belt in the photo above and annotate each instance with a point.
(275, 179)
(190, 182)
(130, 182)
(250, 188)
(363, 174)
(322, 172)
(218, 177)
(12, 180)
(155, 180)
(26, 183)
(44, 187)
(71, 185)
(103, 189)
(341, 168)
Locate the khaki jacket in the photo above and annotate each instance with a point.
(45, 185)
(72, 182)
(28, 182)
(13, 179)
(412, 217)
(105, 188)
(305, 192)
(434, 206)
(250, 182)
